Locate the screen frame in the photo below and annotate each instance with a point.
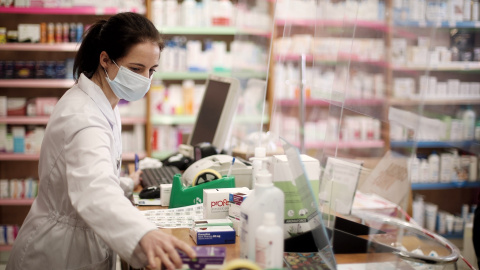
(228, 111)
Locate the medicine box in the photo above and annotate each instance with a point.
(215, 201)
(213, 235)
(296, 215)
(200, 223)
(165, 192)
(207, 258)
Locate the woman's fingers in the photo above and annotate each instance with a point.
(164, 258)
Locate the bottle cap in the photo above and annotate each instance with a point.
(260, 152)
(269, 219)
(264, 177)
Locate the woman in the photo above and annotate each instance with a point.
(81, 217)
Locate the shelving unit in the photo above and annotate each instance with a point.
(451, 185)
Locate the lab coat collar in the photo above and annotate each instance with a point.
(97, 95)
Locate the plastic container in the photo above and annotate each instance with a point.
(424, 171)
(468, 119)
(434, 167)
(265, 198)
(269, 243)
(189, 13)
(258, 163)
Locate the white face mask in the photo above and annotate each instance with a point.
(129, 85)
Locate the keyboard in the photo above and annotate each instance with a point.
(155, 176)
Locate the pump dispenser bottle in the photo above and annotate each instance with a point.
(264, 198)
(269, 243)
(258, 163)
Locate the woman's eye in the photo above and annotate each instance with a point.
(151, 71)
(135, 69)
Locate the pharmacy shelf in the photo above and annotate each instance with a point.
(444, 24)
(40, 47)
(322, 102)
(453, 66)
(172, 119)
(65, 10)
(434, 186)
(24, 120)
(416, 102)
(458, 235)
(43, 120)
(190, 119)
(161, 154)
(133, 120)
(213, 30)
(35, 157)
(376, 25)
(329, 59)
(204, 75)
(352, 144)
(433, 144)
(16, 201)
(37, 83)
(4, 248)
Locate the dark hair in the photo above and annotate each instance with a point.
(116, 36)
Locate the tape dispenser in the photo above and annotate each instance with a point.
(183, 195)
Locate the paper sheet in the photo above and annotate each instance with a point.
(181, 217)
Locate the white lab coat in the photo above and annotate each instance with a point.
(81, 218)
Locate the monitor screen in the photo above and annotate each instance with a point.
(210, 112)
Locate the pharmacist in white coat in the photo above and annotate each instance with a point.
(81, 218)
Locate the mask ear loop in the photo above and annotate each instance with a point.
(106, 70)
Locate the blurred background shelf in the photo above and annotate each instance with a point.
(434, 186)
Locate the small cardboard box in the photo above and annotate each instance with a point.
(200, 223)
(296, 215)
(215, 201)
(213, 235)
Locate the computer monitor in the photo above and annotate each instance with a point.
(215, 116)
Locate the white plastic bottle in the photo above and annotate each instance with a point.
(269, 243)
(434, 166)
(418, 208)
(414, 169)
(424, 170)
(468, 118)
(189, 13)
(265, 198)
(258, 163)
(473, 168)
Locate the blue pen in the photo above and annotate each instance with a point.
(231, 166)
(136, 162)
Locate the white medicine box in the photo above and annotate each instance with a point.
(296, 215)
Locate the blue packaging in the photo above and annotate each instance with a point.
(60, 71)
(217, 235)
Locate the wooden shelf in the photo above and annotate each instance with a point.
(453, 66)
(376, 25)
(41, 47)
(65, 10)
(16, 201)
(37, 83)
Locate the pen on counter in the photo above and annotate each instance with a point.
(231, 166)
(136, 162)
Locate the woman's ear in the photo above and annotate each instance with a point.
(104, 59)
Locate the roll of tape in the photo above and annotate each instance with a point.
(238, 264)
(204, 176)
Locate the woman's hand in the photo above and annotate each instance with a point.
(136, 177)
(158, 244)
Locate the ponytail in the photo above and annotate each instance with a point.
(88, 55)
(115, 36)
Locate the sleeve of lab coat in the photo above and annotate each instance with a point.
(95, 193)
(126, 183)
